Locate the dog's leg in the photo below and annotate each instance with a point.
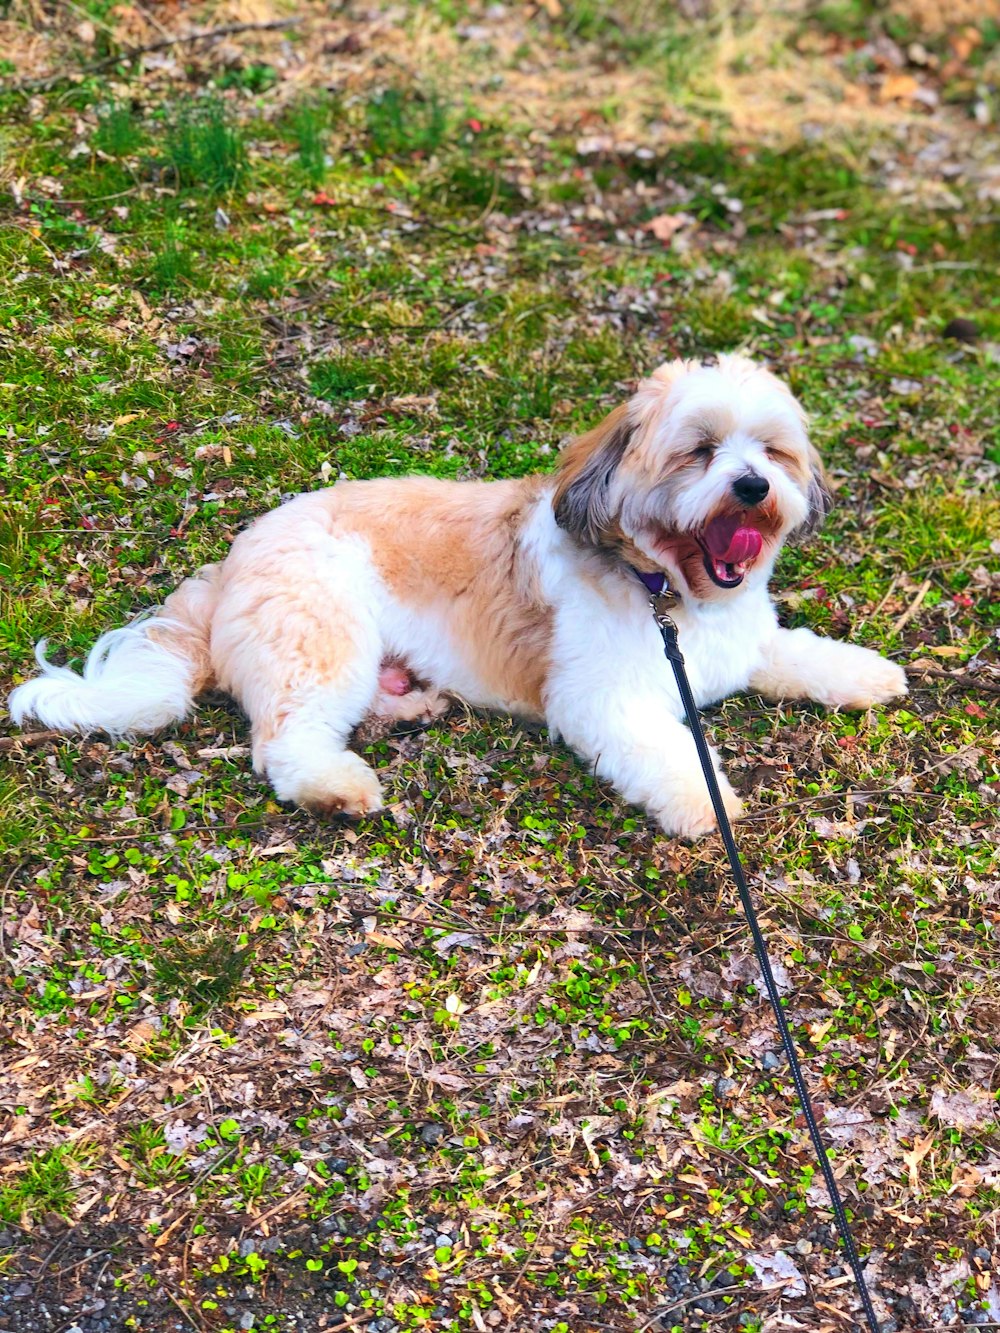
(798, 664)
(635, 742)
(303, 660)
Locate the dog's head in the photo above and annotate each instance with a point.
(703, 473)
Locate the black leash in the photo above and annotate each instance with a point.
(668, 630)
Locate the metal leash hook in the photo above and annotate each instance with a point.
(660, 602)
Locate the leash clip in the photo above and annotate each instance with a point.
(661, 603)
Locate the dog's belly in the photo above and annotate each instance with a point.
(479, 671)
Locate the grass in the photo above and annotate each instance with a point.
(404, 122)
(309, 124)
(497, 1052)
(203, 147)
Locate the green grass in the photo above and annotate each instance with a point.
(402, 121)
(506, 1010)
(204, 147)
(309, 123)
(45, 1184)
(120, 132)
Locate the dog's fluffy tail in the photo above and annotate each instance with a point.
(135, 680)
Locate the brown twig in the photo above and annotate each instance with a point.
(134, 52)
(189, 1316)
(29, 740)
(659, 1316)
(963, 678)
(914, 606)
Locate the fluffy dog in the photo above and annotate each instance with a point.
(380, 596)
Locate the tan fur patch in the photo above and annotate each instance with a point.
(453, 546)
(190, 609)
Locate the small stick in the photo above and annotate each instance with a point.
(888, 593)
(914, 606)
(133, 52)
(964, 679)
(29, 740)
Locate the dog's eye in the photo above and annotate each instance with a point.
(705, 447)
(777, 455)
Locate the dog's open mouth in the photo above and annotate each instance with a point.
(728, 549)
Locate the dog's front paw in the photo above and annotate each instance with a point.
(690, 813)
(872, 679)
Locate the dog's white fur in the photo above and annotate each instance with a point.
(516, 595)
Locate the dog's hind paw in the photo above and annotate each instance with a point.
(342, 785)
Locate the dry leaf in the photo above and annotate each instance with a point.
(965, 1180)
(898, 88)
(913, 1158)
(666, 226)
(969, 1108)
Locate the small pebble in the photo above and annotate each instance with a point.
(962, 330)
(771, 1061)
(432, 1133)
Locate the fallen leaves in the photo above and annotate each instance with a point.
(970, 1108)
(666, 226)
(898, 87)
(777, 1272)
(913, 1158)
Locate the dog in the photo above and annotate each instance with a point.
(387, 596)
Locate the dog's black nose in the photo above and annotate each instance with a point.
(750, 489)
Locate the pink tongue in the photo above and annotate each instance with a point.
(745, 545)
(732, 544)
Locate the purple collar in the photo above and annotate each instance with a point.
(661, 595)
(655, 583)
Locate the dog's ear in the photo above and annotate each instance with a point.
(581, 501)
(819, 496)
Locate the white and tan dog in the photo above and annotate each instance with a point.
(375, 596)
